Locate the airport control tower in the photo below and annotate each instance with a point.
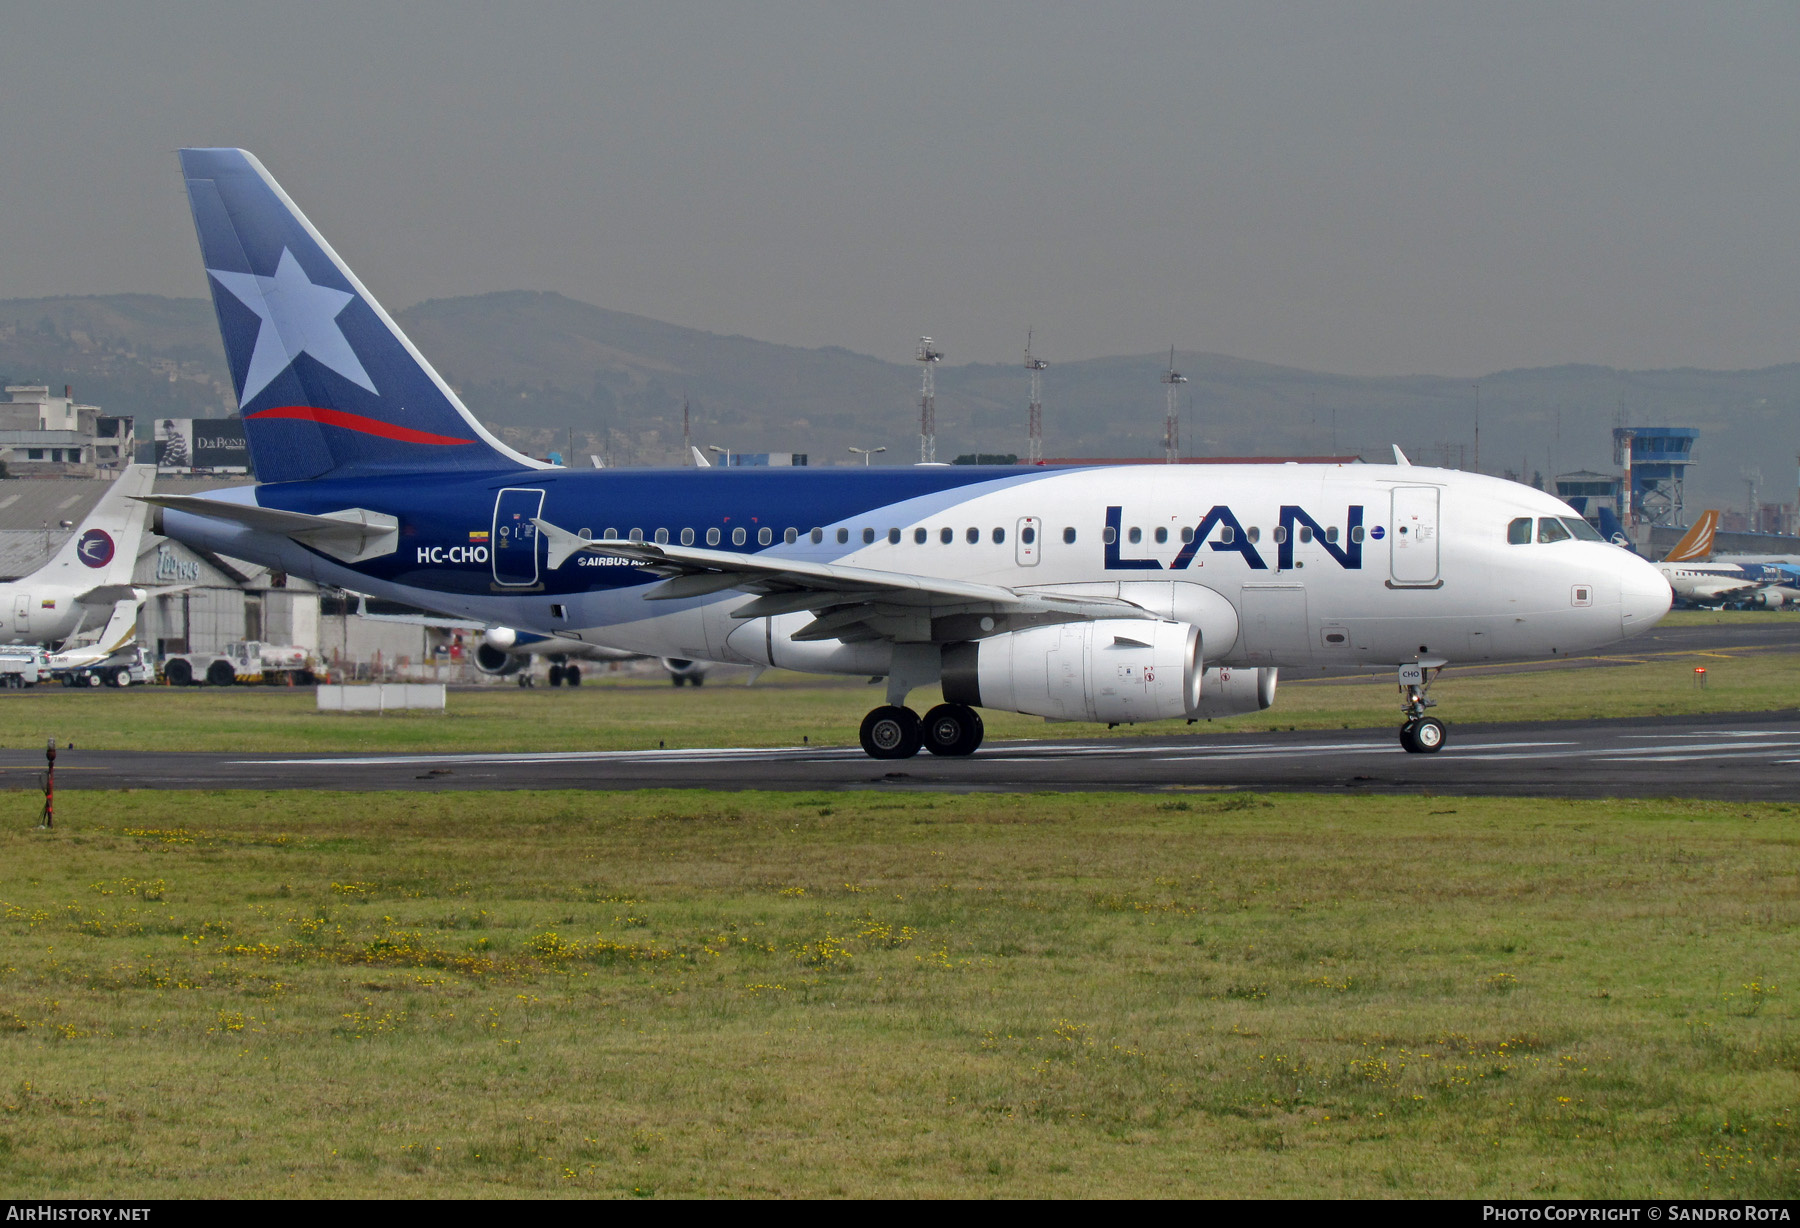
(1653, 462)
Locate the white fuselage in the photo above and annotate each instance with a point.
(1433, 576)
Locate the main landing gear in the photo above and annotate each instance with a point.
(893, 732)
(1421, 734)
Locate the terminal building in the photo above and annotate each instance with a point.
(49, 436)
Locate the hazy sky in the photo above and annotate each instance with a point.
(1361, 187)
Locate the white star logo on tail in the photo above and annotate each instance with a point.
(298, 317)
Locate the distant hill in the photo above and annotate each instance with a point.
(543, 370)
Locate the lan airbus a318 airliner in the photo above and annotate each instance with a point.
(1096, 593)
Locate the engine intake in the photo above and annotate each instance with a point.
(491, 660)
(1115, 670)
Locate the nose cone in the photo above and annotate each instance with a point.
(1644, 596)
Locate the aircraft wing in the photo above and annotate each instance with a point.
(848, 603)
(352, 535)
(108, 594)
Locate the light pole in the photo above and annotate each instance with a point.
(725, 452)
(865, 453)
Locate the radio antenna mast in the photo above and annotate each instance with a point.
(930, 356)
(1034, 442)
(1172, 424)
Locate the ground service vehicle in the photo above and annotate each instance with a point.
(246, 661)
(23, 665)
(119, 670)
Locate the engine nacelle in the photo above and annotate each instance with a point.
(1116, 670)
(1769, 598)
(491, 660)
(1234, 690)
(683, 671)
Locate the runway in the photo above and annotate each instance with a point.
(1747, 757)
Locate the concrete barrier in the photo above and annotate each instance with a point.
(382, 697)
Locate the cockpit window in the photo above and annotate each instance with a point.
(1551, 530)
(1582, 529)
(1518, 533)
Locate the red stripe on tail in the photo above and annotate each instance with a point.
(355, 422)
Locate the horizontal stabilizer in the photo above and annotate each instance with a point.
(350, 536)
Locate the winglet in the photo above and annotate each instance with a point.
(700, 462)
(1697, 544)
(1400, 457)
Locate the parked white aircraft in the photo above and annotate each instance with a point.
(1117, 594)
(1698, 577)
(86, 582)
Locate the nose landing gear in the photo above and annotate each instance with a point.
(1421, 734)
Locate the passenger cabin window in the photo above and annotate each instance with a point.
(1068, 537)
(843, 536)
(1280, 534)
(1227, 534)
(868, 537)
(712, 537)
(1253, 533)
(1305, 533)
(662, 537)
(1162, 535)
(611, 535)
(1518, 533)
(1109, 535)
(1187, 534)
(999, 537)
(893, 537)
(818, 535)
(1027, 535)
(973, 536)
(687, 537)
(1551, 530)
(765, 535)
(1356, 534)
(946, 535)
(791, 536)
(737, 536)
(1331, 534)
(637, 535)
(919, 536)
(1135, 535)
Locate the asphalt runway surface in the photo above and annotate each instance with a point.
(1745, 757)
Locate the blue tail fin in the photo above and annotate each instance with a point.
(327, 384)
(1612, 530)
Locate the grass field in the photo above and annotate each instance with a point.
(783, 710)
(685, 994)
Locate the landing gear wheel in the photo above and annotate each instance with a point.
(572, 675)
(95, 680)
(556, 675)
(1425, 736)
(892, 733)
(952, 729)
